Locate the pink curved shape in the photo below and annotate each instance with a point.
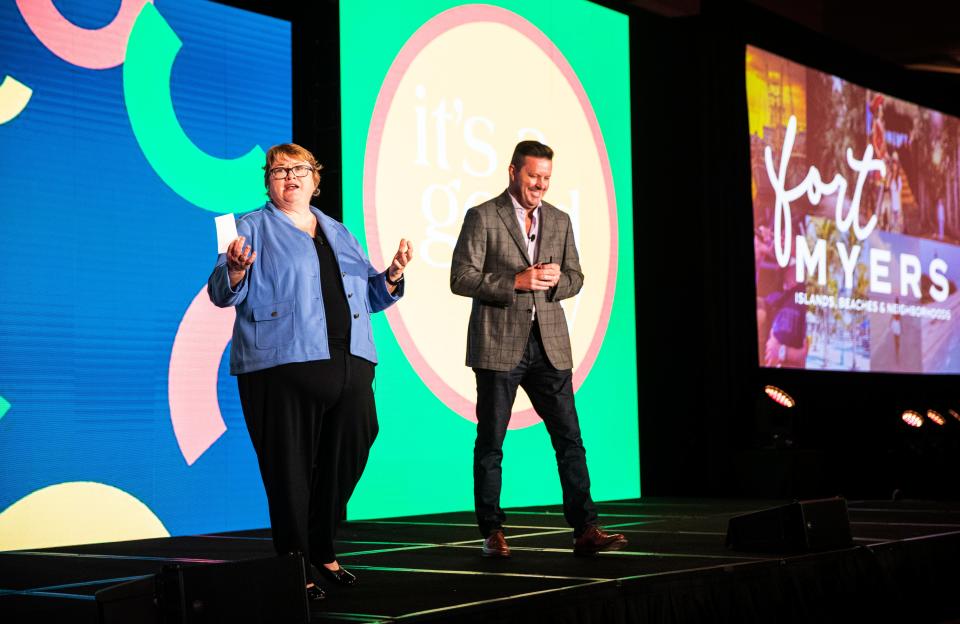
(438, 25)
(192, 379)
(101, 48)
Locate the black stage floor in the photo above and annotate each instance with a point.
(904, 567)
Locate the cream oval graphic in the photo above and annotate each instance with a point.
(76, 512)
(463, 90)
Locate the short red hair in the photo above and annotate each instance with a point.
(293, 152)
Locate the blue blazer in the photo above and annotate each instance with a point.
(280, 313)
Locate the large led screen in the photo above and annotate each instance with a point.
(435, 94)
(125, 128)
(856, 209)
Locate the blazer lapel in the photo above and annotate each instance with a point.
(329, 231)
(509, 217)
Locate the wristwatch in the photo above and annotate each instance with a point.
(394, 283)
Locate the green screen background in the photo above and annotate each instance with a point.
(422, 460)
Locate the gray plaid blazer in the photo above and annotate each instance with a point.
(490, 251)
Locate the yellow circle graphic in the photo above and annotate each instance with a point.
(78, 512)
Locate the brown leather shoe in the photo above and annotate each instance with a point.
(496, 546)
(594, 540)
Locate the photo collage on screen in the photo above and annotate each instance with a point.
(856, 211)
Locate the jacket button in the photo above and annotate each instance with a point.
(356, 315)
(274, 313)
(349, 295)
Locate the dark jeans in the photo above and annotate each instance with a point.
(551, 392)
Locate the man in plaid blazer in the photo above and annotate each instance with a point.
(517, 259)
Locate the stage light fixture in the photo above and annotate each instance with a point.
(936, 417)
(912, 418)
(954, 413)
(779, 396)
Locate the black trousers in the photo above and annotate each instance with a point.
(312, 425)
(551, 392)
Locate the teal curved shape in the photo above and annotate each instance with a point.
(4, 406)
(185, 168)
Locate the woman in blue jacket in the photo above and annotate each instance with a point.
(303, 355)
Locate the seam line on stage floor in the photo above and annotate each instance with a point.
(356, 617)
(37, 553)
(656, 532)
(920, 524)
(378, 551)
(122, 579)
(476, 573)
(341, 541)
(472, 525)
(386, 543)
(925, 537)
(643, 504)
(604, 515)
(629, 553)
(700, 569)
(43, 594)
(907, 511)
(501, 599)
(460, 544)
(234, 537)
(623, 525)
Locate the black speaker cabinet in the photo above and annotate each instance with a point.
(253, 590)
(802, 526)
(134, 601)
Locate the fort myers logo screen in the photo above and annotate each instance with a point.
(856, 208)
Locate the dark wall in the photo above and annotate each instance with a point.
(682, 263)
(315, 54)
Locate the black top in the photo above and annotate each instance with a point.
(334, 299)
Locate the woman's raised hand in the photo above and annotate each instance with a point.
(239, 259)
(400, 260)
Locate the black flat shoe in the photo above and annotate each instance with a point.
(340, 576)
(316, 594)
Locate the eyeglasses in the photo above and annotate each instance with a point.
(299, 171)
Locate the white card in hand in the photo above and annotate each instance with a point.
(226, 231)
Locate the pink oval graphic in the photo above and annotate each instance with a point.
(195, 358)
(437, 26)
(101, 48)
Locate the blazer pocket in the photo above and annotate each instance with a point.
(275, 324)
